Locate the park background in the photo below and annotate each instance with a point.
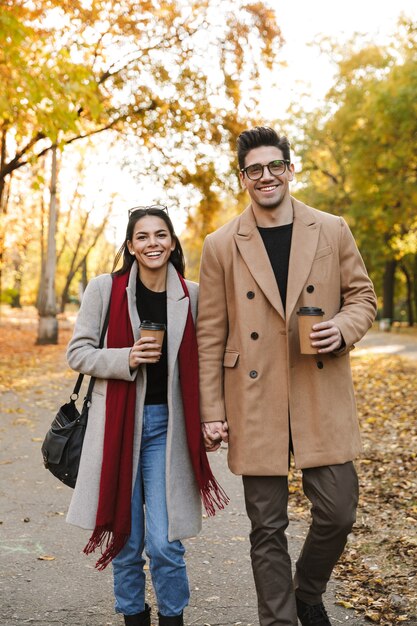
(105, 105)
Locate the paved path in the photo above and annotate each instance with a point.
(394, 342)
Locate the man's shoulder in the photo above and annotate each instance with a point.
(244, 222)
(310, 215)
(315, 215)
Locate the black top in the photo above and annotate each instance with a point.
(152, 305)
(277, 242)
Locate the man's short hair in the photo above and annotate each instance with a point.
(261, 136)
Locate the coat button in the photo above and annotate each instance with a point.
(250, 295)
(320, 365)
(254, 336)
(253, 373)
(310, 288)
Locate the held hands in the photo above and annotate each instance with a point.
(327, 337)
(145, 350)
(213, 434)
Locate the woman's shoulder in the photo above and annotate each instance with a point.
(98, 288)
(102, 281)
(193, 291)
(192, 287)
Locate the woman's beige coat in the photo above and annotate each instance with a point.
(183, 498)
(251, 369)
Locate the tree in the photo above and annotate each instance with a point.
(48, 323)
(42, 94)
(140, 66)
(143, 63)
(358, 155)
(86, 241)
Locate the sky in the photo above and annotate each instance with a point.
(306, 71)
(303, 21)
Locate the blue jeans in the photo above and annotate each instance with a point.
(149, 509)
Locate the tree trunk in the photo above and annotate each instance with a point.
(76, 264)
(3, 202)
(415, 284)
(82, 284)
(409, 285)
(388, 289)
(85, 277)
(41, 287)
(17, 283)
(48, 323)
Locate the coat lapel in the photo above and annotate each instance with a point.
(254, 254)
(177, 310)
(304, 241)
(131, 301)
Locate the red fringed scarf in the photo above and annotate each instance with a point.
(211, 492)
(113, 518)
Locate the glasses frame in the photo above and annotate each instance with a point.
(159, 207)
(285, 162)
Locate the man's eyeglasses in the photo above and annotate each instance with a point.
(159, 207)
(256, 171)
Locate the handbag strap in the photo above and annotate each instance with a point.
(80, 378)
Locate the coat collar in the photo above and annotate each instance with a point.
(303, 246)
(254, 254)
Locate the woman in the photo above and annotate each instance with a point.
(143, 463)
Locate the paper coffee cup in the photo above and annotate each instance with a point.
(153, 329)
(307, 317)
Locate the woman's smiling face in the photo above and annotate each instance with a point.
(151, 243)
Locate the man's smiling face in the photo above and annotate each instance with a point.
(270, 191)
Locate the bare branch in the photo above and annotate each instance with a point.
(14, 164)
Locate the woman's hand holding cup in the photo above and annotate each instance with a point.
(145, 350)
(148, 348)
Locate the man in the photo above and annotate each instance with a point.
(264, 397)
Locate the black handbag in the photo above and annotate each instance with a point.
(62, 446)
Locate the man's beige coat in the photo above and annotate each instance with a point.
(251, 369)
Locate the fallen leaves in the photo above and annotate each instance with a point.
(46, 557)
(21, 361)
(378, 571)
(377, 574)
(28, 373)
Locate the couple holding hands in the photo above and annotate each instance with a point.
(229, 368)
